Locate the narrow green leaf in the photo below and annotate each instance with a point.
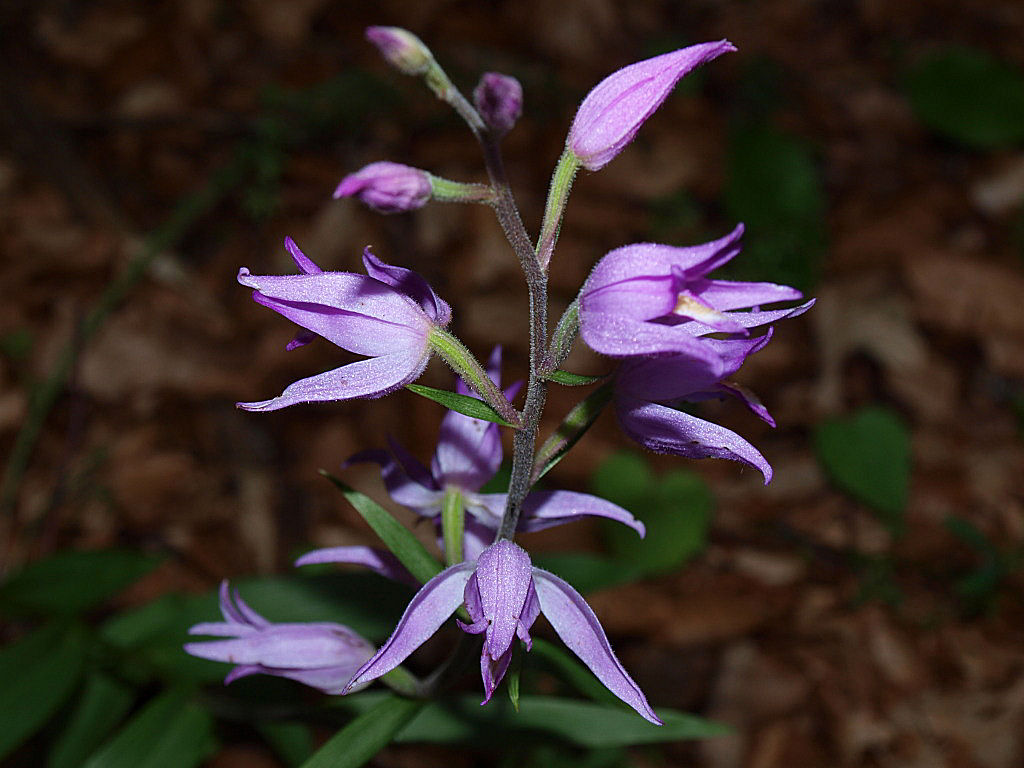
(573, 427)
(569, 379)
(464, 404)
(868, 456)
(103, 704)
(367, 735)
(969, 96)
(594, 726)
(170, 732)
(71, 582)
(38, 674)
(406, 547)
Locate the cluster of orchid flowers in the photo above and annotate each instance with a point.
(678, 336)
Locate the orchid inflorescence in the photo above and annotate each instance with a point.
(676, 334)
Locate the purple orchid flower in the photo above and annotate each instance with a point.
(499, 100)
(321, 655)
(642, 385)
(614, 110)
(388, 187)
(504, 594)
(468, 454)
(651, 299)
(387, 315)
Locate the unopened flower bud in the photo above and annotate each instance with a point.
(614, 110)
(499, 100)
(387, 187)
(401, 48)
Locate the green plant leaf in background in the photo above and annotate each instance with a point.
(774, 187)
(68, 583)
(368, 734)
(291, 740)
(101, 707)
(396, 537)
(676, 508)
(595, 726)
(968, 96)
(37, 674)
(868, 455)
(170, 732)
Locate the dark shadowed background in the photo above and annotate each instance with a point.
(862, 610)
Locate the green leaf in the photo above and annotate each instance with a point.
(676, 508)
(367, 735)
(39, 672)
(464, 404)
(170, 732)
(573, 427)
(774, 186)
(396, 537)
(967, 95)
(868, 456)
(583, 723)
(103, 704)
(72, 582)
(572, 379)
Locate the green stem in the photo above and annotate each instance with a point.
(455, 353)
(558, 196)
(447, 191)
(453, 523)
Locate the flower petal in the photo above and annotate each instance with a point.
(302, 261)
(664, 430)
(373, 377)
(544, 509)
(614, 110)
(407, 481)
(377, 560)
(580, 630)
(356, 332)
(503, 577)
(411, 283)
(724, 295)
(618, 336)
(427, 611)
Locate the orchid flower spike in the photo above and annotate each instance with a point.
(468, 454)
(321, 655)
(646, 387)
(387, 315)
(651, 299)
(504, 594)
(614, 110)
(387, 187)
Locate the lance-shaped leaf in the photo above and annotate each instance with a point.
(573, 427)
(365, 736)
(464, 404)
(406, 547)
(570, 379)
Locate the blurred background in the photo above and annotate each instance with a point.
(862, 610)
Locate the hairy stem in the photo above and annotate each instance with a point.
(525, 438)
(558, 195)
